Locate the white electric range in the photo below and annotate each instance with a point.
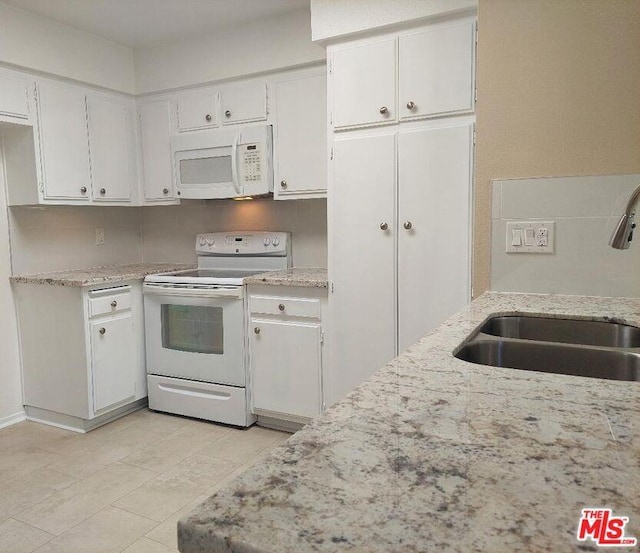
(195, 328)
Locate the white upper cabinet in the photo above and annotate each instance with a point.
(14, 97)
(197, 110)
(155, 131)
(64, 142)
(112, 149)
(241, 104)
(364, 84)
(436, 70)
(301, 138)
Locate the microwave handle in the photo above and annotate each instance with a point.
(234, 164)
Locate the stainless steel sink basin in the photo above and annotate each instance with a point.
(568, 331)
(594, 349)
(554, 358)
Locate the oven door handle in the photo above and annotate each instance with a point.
(160, 289)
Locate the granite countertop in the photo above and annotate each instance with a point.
(436, 454)
(312, 277)
(99, 275)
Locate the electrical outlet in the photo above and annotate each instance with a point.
(99, 237)
(530, 236)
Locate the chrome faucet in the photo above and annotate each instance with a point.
(623, 234)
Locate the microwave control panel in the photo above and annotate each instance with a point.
(251, 162)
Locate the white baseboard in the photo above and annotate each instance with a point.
(13, 419)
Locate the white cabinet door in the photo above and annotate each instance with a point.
(301, 135)
(286, 367)
(14, 101)
(364, 84)
(241, 104)
(434, 182)
(155, 130)
(113, 360)
(111, 148)
(362, 233)
(197, 110)
(64, 142)
(436, 70)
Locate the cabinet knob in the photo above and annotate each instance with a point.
(281, 307)
(208, 117)
(103, 191)
(165, 191)
(83, 190)
(384, 226)
(383, 110)
(283, 184)
(114, 304)
(227, 114)
(407, 225)
(102, 331)
(410, 105)
(257, 330)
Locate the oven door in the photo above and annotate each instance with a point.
(195, 333)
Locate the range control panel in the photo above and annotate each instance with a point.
(243, 243)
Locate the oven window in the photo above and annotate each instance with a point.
(206, 170)
(193, 328)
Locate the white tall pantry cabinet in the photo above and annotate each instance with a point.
(401, 131)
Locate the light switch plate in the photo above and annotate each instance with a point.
(543, 236)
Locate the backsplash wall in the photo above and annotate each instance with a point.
(585, 210)
(55, 238)
(168, 233)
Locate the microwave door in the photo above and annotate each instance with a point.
(205, 173)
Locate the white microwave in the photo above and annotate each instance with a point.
(224, 163)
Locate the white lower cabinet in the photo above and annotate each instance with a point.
(82, 352)
(286, 352)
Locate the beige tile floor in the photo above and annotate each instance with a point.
(120, 488)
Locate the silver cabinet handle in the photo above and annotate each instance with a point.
(257, 330)
(227, 114)
(83, 190)
(407, 225)
(410, 105)
(383, 110)
(208, 117)
(103, 191)
(283, 184)
(281, 307)
(384, 226)
(102, 331)
(165, 191)
(114, 304)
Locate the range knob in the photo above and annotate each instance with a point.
(210, 241)
(203, 241)
(275, 241)
(267, 241)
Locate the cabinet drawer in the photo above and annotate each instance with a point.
(104, 302)
(292, 307)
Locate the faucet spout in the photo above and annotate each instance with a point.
(623, 233)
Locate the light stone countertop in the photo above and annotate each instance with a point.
(99, 275)
(436, 454)
(311, 277)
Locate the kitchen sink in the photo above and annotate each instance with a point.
(594, 349)
(568, 331)
(554, 358)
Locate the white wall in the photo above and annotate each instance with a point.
(10, 381)
(268, 45)
(169, 232)
(55, 238)
(585, 210)
(336, 18)
(40, 44)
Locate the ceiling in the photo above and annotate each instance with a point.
(140, 23)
